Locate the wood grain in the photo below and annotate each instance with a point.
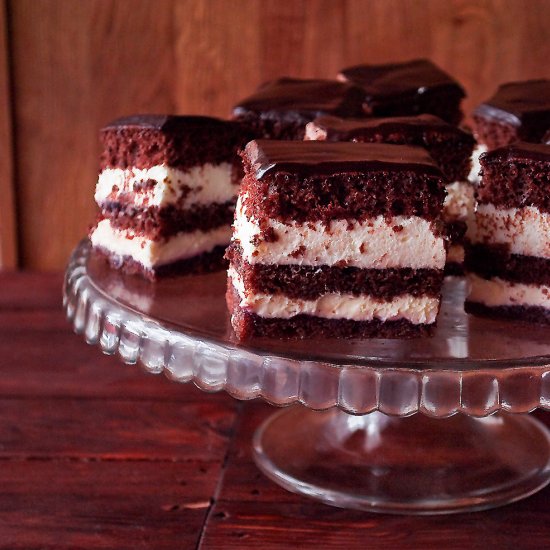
(84, 504)
(252, 512)
(8, 236)
(79, 64)
(95, 454)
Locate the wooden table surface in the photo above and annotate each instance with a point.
(96, 454)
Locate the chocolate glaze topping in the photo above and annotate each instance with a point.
(525, 104)
(400, 79)
(519, 151)
(449, 146)
(166, 123)
(304, 97)
(321, 157)
(339, 129)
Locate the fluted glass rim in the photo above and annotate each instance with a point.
(280, 380)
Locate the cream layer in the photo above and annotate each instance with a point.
(205, 184)
(149, 253)
(473, 176)
(498, 292)
(459, 202)
(525, 230)
(416, 310)
(376, 243)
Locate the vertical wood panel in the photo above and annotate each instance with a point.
(78, 64)
(216, 53)
(8, 237)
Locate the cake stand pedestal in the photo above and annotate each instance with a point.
(422, 426)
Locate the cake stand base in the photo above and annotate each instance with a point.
(414, 465)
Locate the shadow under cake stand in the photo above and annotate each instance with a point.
(403, 426)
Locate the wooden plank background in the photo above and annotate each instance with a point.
(76, 64)
(8, 238)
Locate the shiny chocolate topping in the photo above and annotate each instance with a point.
(322, 157)
(338, 129)
(305, 97)
(523, 104)
(167, 122)
(394, 80)
(518, 151)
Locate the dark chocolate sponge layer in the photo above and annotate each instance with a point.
(143, 141)
(449, 146)
(310, 282)
(408, 88)
(157, 223)
(247, 325)
(281, 108)
(531, 314)
(518, 111)
(516, 176)
(288, 197)
(495, 260)
(314, 180)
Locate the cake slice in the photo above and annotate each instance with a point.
(449, 146)
(407, 88)
(336, 240)
(508, 247)
(281, 108)
(167, 190)
(518, 111)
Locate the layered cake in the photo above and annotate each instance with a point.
(508, 248)
(518, 111)
(167, 190)
(281, 108)
(449, 146)
(408, 88)
(336, 239)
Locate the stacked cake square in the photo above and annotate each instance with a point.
(167, 189)
(336, 239)
(508, 255)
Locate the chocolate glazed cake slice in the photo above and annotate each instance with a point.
(508, 247)
(281, 108)
(336, 239)
(518, 111)
(407, 88)
(167, 189)
(449, 146)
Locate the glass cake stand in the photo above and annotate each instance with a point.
(356, 441)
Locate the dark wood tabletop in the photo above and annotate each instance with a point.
(97, 454)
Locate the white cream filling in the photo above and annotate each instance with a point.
(473, 176)
(416, 310)
(205, 184)
(376, 243)
(526, 230)
(459, 202)
(149, 253)
(498, 292)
